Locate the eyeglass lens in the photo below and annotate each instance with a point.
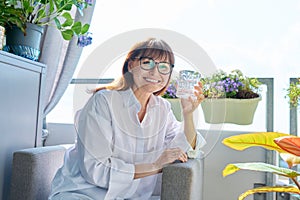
(149, 64)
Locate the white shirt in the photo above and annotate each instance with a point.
(111, 140)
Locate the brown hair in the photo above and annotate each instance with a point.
(152, 47)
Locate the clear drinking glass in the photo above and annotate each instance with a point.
(186, 82)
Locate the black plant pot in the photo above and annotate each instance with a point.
(27, 46)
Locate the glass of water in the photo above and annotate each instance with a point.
(186, 82)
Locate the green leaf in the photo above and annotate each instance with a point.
(67, 34)
(57, 22)
(51, 6)
(44, 1)
(288, 189)
(85, 28)
(67, 16)
(262, 139)
(67, 6)
(67, 23)
(41, 13)
(57, 4)
(30, 10)
(19, 24)
(76, 28)
(26, 5)
(259, 166)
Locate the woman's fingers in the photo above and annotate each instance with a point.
(178, 154)
(200, 96)
(199, 92)
(183, 157)
(198, 88)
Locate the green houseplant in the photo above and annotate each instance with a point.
(9, 16)
(289, 148)
(293, 93)
(39, 13)
(43, 12)
(230, 97)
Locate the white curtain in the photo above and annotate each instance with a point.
(61, 58)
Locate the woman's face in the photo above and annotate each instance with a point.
(149, 75)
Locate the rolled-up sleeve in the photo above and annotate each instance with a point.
(200, 142)
(95, 143)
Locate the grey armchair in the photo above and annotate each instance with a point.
(33, 170)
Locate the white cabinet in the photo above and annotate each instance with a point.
(21, 86)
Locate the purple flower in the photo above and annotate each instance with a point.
(226, 85)
(170, 92)
(84, 40)
(229, 85)
(89, 1)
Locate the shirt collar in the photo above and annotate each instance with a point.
(153, 101)
(130, 99)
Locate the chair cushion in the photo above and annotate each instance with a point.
(183, 180)
(33, 170)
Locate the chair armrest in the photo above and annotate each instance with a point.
(33, 170)
(183, 180)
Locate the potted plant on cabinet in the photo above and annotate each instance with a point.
(287, 145)
(170, 95)
(9, 16)
(230, 97)
(38, 14)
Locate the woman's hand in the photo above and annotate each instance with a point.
(190, 105)
(169, 156)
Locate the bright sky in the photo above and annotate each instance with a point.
(260, 37)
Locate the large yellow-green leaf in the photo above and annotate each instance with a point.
(290, 144)
(288, 189)
(262, 139)
(259, 166)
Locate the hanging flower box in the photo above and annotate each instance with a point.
(227, 110)
(230, 98)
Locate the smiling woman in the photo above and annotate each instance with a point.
(126, 130)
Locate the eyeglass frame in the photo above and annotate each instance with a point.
(156, 65)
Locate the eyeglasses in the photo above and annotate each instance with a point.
(149, 64)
